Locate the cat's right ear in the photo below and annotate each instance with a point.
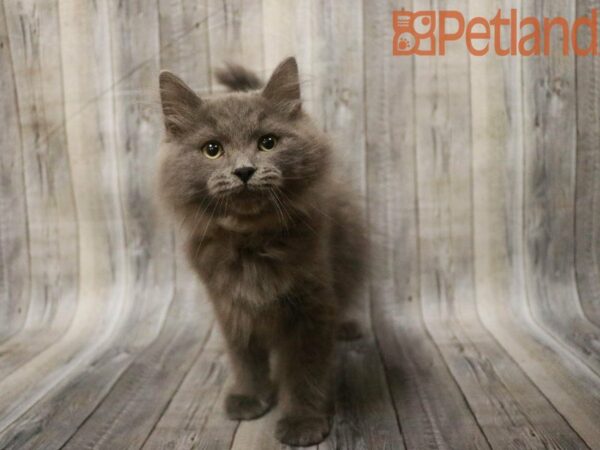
(179, 102)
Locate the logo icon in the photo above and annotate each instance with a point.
(414, 33)
(429, 32)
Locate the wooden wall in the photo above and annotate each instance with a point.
(481, 178)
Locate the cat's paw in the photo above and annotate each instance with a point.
(247, 407)
(349, 330)
(302, 431)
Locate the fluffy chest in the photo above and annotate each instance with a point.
(251, 270)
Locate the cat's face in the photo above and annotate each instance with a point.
(242, 152)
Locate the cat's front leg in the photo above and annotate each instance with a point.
(305, 365)
(252, 393)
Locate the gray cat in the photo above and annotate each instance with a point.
(279, 245)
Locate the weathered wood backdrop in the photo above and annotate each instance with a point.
(482, 183)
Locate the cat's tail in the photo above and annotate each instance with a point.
(238, 78)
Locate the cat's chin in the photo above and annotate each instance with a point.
(247, 223)
(246, 200)
(245, 204)
(250, 212)
(247, 207)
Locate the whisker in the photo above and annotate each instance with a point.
(282, 205)
(206, 229)
(301, 213)
(278, 210)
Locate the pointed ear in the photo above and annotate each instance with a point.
(179, 103)
(284, 84)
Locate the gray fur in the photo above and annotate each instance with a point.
(282, 256)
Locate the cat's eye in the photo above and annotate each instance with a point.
(212, 150)
(267, 143)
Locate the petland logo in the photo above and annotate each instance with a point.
(429, 32)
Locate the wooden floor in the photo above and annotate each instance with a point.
(481, 178)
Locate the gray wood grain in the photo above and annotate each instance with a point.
(97, 293)
(128, 414)
(46, 173)
(550, 124)
(503, 303)
(419, 379)
(587, 208)
(195, 417)
(448, 285)
(479, 177)
(14, 241)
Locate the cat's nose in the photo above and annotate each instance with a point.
(244, 173)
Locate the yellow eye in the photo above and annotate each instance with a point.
(267, 143)
(212, 150)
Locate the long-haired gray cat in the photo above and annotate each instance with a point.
(278, 243)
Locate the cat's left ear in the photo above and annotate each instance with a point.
(283, 88)
(179, 102)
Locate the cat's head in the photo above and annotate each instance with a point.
(237, 153)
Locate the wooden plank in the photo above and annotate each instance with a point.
(135, 55)
(505, 403)
(129, 412)
(55, 418)
(498, 178)
(425, 394)
(587, 206)
(497, 160)
(280, 36)
(150, 261)
(365, 416)
(236, 34)
(24, 346)
(499, 250)
(560, 376)
(508, 406)
(184, 28)
(46, 170)
(338, 77)
(443, 148)
(51, 210)
(88, 124)
(53, 421)
(181, 335)
(195, 418)
(14, 244)
(550, 114)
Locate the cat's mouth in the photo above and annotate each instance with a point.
(246, 191)
(246, 199)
